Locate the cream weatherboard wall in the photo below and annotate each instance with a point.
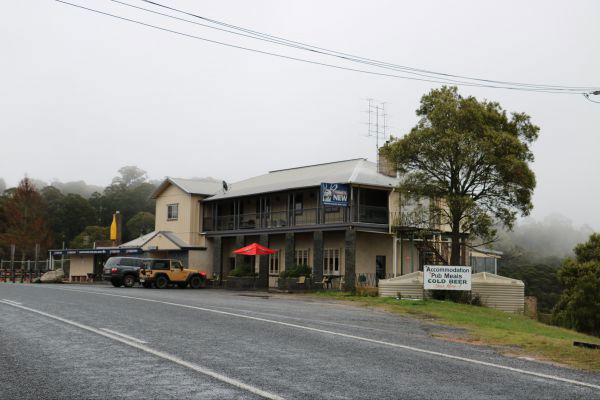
(81, 265)
(187, 226)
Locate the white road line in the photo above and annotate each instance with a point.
(364, 339)
(166, 356)
(124, 335)
(12, 301)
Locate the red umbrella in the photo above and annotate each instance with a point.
(254, 249)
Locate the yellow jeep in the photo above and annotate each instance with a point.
(162, 273)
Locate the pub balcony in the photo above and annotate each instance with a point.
(297, 218)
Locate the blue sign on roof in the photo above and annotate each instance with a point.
(335, 194)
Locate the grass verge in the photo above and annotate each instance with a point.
(524, 336)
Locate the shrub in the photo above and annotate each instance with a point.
(579, 305)
(456, 296)
(241, 271)
(296, 271)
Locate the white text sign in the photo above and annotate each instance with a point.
(446, 277)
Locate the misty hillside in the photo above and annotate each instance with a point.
(554, 236)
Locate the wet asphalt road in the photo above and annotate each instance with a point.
(213, 344)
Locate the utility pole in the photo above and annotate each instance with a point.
(37, 254)
(12, 261)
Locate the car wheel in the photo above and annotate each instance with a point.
(182, 285)
(128, 281)
(116, 282)
(161, 282)
(196, 282)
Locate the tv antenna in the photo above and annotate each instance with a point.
(377, 125)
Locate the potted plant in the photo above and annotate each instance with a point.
(241, 278)
(295, 278)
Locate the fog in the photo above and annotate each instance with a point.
(83, 94)
(552, 236)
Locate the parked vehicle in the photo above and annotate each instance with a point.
(122, 271)
(163, 273)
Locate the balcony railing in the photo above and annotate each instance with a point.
(420, 219)
(297, 218)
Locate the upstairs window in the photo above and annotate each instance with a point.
(172, 212)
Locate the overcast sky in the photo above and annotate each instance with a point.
(83, 94)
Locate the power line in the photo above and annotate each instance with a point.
(442, 81)
(286, 42)
(587, 96)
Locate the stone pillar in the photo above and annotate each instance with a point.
(263, 266)
(350, 259)
(290, 250)
(317, 269)
(531, 307)
(239, 258)
(218, 259)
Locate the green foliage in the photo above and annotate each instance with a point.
(456, 296)
(579, 304)
(296, 271)
(129, 200)
(472, 155)
(67, 214)
(590, 250)
(140, 224)
(242, 270)
(540, 280)
(90, 235)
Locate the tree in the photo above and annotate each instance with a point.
(25, 219)
(131, 176)
(2, 186)
(67, 215)
(90, 235)
(579, 303)
(590, 250)
(140, 224)
(473, 157)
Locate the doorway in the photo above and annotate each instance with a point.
(380, 267)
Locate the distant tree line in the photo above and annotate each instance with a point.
(51, 215)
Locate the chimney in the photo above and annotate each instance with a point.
(385, 166)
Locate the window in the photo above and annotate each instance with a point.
(331, 261)
(274, 263)
(172, 212)
(176, 264)
(302, 256)
(160, 264)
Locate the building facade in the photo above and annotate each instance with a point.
(345, 220)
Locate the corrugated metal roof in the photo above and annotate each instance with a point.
(140, 241)
(202, 186)
(356, 171)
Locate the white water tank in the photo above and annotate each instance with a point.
(495, 291)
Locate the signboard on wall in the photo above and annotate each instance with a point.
(446, 277)
(335, 194)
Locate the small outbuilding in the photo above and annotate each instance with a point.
(500, 292)
(495, 291)
(408, 286)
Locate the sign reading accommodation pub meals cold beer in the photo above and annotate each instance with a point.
(335, 194)
(446, 277)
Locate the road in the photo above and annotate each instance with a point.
(80, 342)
